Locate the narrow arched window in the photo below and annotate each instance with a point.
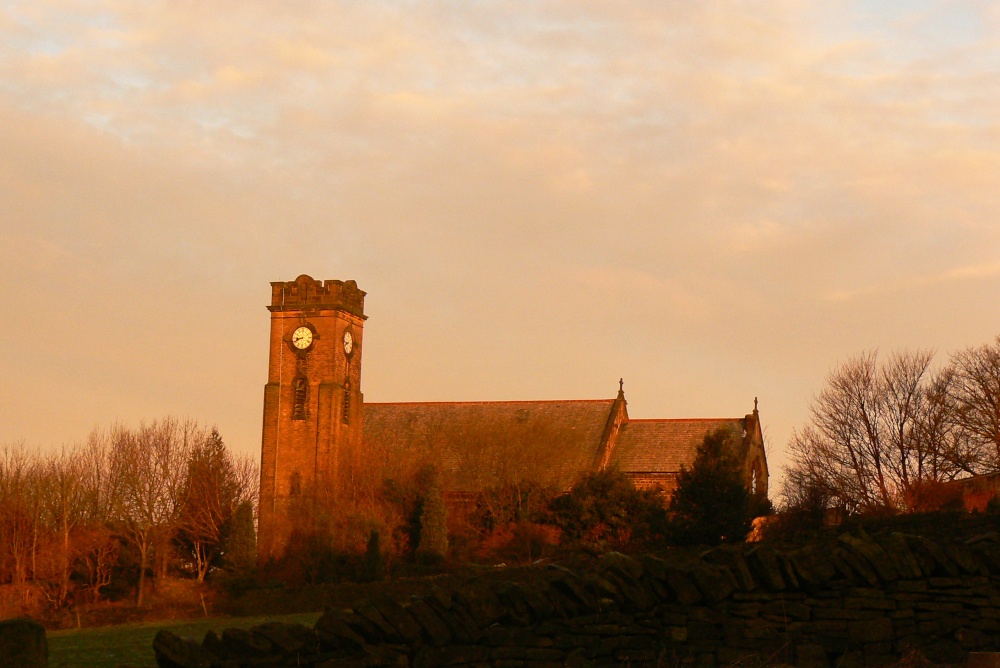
(346, 417)
(296, 485)
(299, 405)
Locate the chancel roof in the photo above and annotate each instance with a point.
(663, 446)
(481, 444)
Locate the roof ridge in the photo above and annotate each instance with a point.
(489, 402)
(724, 419)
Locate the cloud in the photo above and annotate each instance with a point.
(979, 272)
(749, 187)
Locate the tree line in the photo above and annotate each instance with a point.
(884, 431)
(164, 497)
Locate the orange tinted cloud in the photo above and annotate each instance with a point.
(713, 200)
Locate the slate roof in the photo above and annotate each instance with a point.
(478, 444)
(662, 446)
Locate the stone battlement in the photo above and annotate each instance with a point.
(306, 292)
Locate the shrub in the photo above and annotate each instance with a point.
(605, 509)
(519, 542)
(433, 544)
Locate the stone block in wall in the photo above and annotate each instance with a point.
(865, 548)
(436, 629)
(965, 559)
(242, 643)
(517, 612)
(990, 628)
(811, 656)
(363, 627)
(850, 659)
(988, 552)
(386, 632)
(481, 603)
(452, 655)
(682, 585)
(385, 656)
(764, 565)
(636, 595)
(704, 633)
(400, 619)
(859, 566)
(970, 639)
(600, 588)
(461, 624)
(653, 567)
(811, 566)
(213, 643)
(716, 583)
(897, 548)
(783, 610)
(525, 604)
(573, 596)
(731, 556)
(171, 651)
(869, 603)
(944, 651)
(289, 639)
(933, 560)
(870, 631)
(788, 571)
(627, 566)
(628, 656)
(334, 633)
(535, 595)
(23, 644)
(655, 577)
(738, 656)
(538, 654)
(878, 654)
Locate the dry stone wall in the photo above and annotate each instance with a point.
(856, 601)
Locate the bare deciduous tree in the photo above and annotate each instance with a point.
(63, 499)
(216, 484)
(147, 468)
(878, 430)
(20, 513)
(975, 390)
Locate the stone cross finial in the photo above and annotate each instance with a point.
(621, 384)
(755, 404)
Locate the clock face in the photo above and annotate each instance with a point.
(302, 338)
(348, 342)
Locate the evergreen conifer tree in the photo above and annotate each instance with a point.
(712, 503)
(433, 545)
(373, 568)
(241, 541)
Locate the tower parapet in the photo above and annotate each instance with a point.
(305, 292)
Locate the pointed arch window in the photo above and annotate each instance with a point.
(301, 389)
(346, 413)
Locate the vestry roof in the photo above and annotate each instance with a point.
(483, 443)
(663, 446)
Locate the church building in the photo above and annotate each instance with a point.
(318, 429)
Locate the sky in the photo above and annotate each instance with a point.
(715, 201)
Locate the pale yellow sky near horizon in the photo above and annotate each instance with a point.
(713, 200)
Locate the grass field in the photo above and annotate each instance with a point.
(132, 644)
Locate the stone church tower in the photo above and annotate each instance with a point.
(312, 403)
